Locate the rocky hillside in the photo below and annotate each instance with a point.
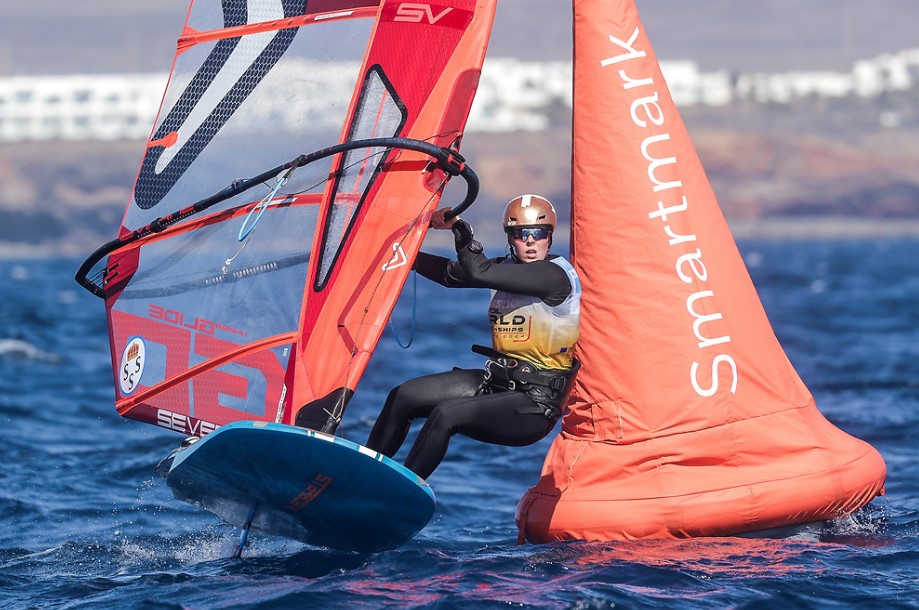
(770, 166)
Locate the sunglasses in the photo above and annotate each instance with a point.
(523, 234)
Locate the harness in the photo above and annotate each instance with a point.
(549, 389)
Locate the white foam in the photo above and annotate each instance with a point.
(17, 348)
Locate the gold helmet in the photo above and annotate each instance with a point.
(528, 211)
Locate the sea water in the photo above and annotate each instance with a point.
(87, 524)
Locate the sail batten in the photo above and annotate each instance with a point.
(364, 9)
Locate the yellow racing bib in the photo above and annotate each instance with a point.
(526, 328)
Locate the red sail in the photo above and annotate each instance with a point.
(276, 300)
(687, 419)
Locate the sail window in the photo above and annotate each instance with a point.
(379, 114)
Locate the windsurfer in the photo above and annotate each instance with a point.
(535, 318)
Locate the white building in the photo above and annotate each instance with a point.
(513, 95)
(868, 78)
(104, 107)
(690, 87)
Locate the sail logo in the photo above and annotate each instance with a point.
(200, 324)
(131, 367)
(183, 423)
(312, 491)
(646, 112)
(398, 258)
(188, 371)
(412, 12)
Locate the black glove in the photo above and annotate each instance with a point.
(463, 237)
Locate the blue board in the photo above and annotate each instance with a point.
(301, 484)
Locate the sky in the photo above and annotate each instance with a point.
(110, 36)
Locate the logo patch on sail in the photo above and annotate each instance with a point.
(131, 368)
(413, 12)
(427, 14)
(398, 257)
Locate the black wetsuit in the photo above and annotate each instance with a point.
(453, 402)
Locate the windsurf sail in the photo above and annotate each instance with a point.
(251, 281)
(687, 417)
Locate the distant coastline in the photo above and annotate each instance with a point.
(776, 229)
(805, 166)
(512, 96)
(67, 198)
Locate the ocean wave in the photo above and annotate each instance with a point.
(17, 349)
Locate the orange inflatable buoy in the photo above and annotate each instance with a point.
(687, 418)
